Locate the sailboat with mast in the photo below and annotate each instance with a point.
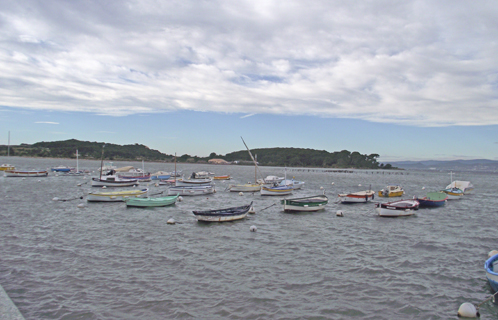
(6, 166)
(247, 187)
(111, 179)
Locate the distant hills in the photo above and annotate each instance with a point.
(456, 165)
(291, 157)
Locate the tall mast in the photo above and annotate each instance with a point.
(77, 166)
(102, 161)
(8, 147)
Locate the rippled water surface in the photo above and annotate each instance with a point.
(104, 261)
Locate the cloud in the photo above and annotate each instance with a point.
(413, 62)
(47, 122)
(247, 116)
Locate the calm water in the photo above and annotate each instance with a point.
(104, 261)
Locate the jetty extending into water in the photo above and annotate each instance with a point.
(8, 309)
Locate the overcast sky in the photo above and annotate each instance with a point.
(409, 64)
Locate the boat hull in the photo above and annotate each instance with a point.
(276, 191)
(193, 182)
(491, 274)
(113, 182)
(357, 197)
(115, 196)
(433, 200)
(5, 167)
(244, 188)
(151, 202)
(399, 208)
(191, 191)
(307, 204)
(223, 215)
(24, 174)
(454, 193)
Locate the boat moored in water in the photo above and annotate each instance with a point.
(357, 197)
(28, 173)
(223, 215)
(305, 204)
(398, 208)
(491, 267)
(114, 196)
(392, 191)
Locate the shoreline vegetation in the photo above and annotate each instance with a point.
(279, 157)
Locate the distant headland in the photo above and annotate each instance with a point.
(290, 157)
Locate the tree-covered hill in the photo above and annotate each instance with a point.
(87, 150)
(291, 157)
(299, 157)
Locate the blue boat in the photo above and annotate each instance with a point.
(432, 200)
(61, 169)
(491, 274)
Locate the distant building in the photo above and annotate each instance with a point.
(218, 161)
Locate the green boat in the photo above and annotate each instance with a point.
(151, 202)
(306, 204)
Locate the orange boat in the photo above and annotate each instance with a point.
(227, 177)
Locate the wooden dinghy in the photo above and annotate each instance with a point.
(114, 196)
(398, 208)
(305, 204)
(151, 202)
(222, 215)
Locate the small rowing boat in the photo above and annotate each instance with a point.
(151, 202)
(223, 215)
(398, 208)
(305, 204)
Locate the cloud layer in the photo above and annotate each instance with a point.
(420, 63)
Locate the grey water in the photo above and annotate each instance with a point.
(104, 261)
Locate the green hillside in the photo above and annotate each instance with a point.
(290, 157)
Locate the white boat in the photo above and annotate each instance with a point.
(357, 197)
(28, 173)
(201, 174)
(270, 180)
(115, 196)
(113, 181)
(465, 186)
(193, 182)
(276, 191)
(398, 208)
(292, 183)
(248, 187)
(223, 215)
(107, 166)
(191, 191)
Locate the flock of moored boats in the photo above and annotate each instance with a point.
(202, 183)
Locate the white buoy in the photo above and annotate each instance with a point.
(423, 188)
(253, 228)
(79, 184)
(359, 185)
(55, 199)
(104, 187)
(39, 180)
(81, 205)
(180, 199)
(492, 253)
(468, 310)
(171, 221)
(321, 188)
(332, 183)
(251, 210)
(339, 213)
(241, 193)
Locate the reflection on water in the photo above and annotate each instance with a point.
(106, 261)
